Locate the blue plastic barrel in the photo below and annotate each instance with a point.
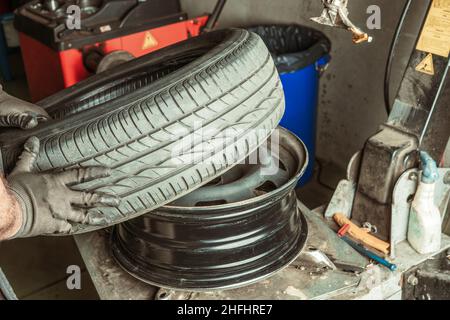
(300, 54)
(301, 90)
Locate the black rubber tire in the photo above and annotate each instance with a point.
(130, 119)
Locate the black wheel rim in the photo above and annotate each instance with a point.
(220, 246)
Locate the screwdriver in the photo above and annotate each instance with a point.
(364, 251)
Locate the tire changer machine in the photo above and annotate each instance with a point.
(58, 53)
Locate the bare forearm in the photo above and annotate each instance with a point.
(10, 214)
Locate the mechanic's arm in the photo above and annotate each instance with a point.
(21, 114)
(34, 203)
(10, 213)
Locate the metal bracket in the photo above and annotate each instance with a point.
(342, 200)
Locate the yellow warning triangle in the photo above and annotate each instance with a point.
(149, 41)
(427, 65)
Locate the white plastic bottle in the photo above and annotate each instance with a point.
(425, 221)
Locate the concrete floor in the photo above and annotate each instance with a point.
(36, 267)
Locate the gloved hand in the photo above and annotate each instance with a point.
(18, 113)
(47, 202)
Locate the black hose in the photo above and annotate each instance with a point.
(387, 75)
(212, 20)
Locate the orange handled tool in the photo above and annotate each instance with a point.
(360, 234)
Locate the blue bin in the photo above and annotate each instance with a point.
(301, 90)
(300, 54)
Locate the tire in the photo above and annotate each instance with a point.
(131, 119)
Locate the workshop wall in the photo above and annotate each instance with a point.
(351, 103)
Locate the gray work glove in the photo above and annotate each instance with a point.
(48, 203)
(18, 113)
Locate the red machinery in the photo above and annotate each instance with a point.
(112, 31)
(4, 7)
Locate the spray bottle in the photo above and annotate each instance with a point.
(425, 222)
